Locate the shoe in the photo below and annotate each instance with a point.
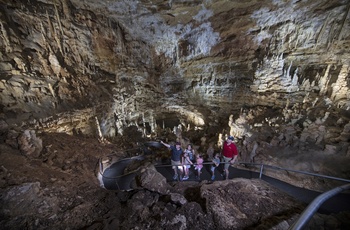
(175, 177)
(185, 178)
(213, 178)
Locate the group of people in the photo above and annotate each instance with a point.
(183, 160)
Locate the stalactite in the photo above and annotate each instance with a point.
(6, 38)
(49, 24)
(343, 22)
(297, 41)
(309, 35)
(66, 9)
(322, 30)
(99, 132)
(331, 36)
(323, 83)
(287, 75)
(340, 90)
(58, 19)
(295, 77)
(58, 40)
(153, 123)
(51, 90)
(43, 32)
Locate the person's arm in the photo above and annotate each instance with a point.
(166, 145)
(232, 161)
(189, 160)
(217, 163)
(235, 154)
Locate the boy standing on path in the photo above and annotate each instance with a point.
(230, 153)
(176, 153)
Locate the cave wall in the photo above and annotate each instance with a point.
(271, 73)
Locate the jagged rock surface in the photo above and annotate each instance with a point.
(275, 74)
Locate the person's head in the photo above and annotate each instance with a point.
(189, 146)
(230, 138)
(217, 155)
(178, 145)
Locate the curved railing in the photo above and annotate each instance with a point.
(262, 166)
(314, 206)
(122, 180)
(304, 217)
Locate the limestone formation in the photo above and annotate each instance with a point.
(273, 73)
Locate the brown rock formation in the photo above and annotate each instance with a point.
(275, 74)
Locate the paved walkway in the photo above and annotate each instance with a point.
(113, 179)
(340, 202)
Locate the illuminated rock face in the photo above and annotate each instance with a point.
(271, 73)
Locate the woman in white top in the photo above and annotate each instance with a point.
(186, 162)
(190, 151)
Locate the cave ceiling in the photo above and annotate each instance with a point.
(67, 64)
(275, 74)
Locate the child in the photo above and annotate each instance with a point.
(190, 151)
(186, 162)
(216, 163)
(199, 165)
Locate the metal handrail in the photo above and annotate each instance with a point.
(307, 213)
(124, 159)
(292, 170)
(262, 166)
(314, 205)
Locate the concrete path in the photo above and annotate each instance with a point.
(115, 179)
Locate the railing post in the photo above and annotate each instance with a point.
(261, 170)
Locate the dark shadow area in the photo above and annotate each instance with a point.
(336, 204)
(271, 221)
(115, 178)
(193, 195)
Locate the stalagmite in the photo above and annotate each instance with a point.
(99, 132)
(51, 90)
(5, 37)
(323, 82)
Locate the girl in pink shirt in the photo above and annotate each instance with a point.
(199, 165)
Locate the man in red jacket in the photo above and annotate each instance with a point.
(230, 153)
